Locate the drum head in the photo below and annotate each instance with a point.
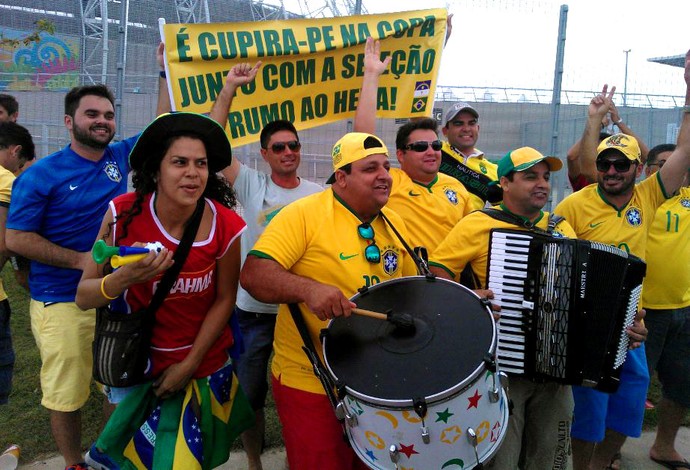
(378, 361)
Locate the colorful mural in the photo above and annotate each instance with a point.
(50, 64)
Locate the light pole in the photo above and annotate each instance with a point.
(625, 82)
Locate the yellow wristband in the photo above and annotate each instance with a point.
(103, 289)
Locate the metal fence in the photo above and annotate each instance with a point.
(39, 74)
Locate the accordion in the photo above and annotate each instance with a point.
(565, 306)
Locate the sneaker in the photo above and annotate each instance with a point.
(99, 460)
(78, 466)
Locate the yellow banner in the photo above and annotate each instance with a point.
(312, 68)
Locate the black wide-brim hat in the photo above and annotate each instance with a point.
(218, 150)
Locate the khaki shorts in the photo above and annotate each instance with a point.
(63, 334)
(538, 428)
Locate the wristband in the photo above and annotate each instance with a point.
(618, 122)
(162, 74)
(103, 289)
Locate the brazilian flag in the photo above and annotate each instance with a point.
(192, 430)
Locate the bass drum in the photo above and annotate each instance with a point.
(426, 397)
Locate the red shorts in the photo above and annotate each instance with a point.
(313, 436)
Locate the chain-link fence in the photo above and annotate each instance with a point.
(83, 51)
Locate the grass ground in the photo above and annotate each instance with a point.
(25, 422)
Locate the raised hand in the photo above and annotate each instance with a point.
(241, 74)
(160, 56)
(372, 57)
(600, 104)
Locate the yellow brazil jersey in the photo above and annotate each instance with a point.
(468, 242)
(430, 211)
(6, 180)
(474, 173)
(594, 218)
(667, 284)
(317, 237)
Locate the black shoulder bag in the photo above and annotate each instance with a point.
(122, 341)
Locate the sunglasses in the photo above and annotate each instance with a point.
(371, 252)
(293, 145)
(422, 145)
(659, 163)
(621, 166)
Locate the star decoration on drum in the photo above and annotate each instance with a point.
(407, 450)
(495, 431)
(474, 400)
(443, 415)
(451, 435)
(370, 454)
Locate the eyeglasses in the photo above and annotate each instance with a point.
(293, 145)
(659, 163)
(372, 253)
(422, 145)
(621, 166)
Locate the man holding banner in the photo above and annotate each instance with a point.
(430, 202)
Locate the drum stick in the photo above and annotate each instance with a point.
(370, 313)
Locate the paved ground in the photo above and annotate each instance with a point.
(634, 456)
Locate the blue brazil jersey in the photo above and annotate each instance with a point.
(63, 197)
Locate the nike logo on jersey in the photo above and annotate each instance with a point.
(73, 187)
(344, 257)
(413, 194)
(595, 225)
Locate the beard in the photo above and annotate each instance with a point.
(625, 186)
(83, 136)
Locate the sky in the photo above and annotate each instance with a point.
(512, 43)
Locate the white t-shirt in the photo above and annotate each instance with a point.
(261, 200)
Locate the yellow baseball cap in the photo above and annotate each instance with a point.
(523, 158)
(355, 146)
(625, 144)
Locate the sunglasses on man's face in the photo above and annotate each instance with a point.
(293, 145)
(422, 145)
(621, 166)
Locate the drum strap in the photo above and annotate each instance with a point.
(467, 277)
(419, 259)
(312, 355)
(504, 216)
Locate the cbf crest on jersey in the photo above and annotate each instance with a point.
(390, 259)
(451, 195)
(685, 202)
(634, 216)
(112, 171)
